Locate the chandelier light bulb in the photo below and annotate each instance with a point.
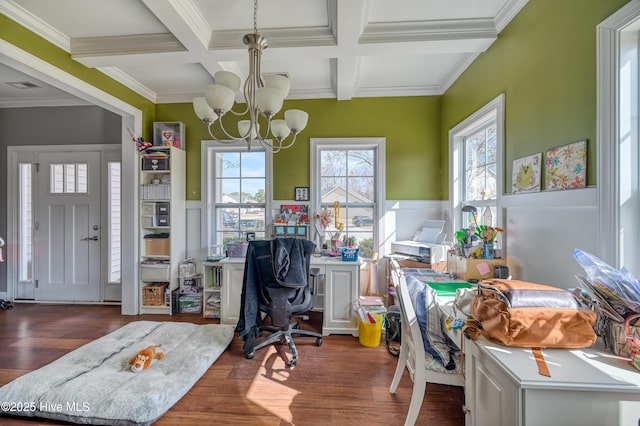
(279, 82)
(279, 129)
(269, 100)
(204, 111)
(243, 128)
(227, 79)
(296, 120)
(220, 98)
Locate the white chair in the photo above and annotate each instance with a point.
(421, 366)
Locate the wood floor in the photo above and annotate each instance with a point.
(338, 383)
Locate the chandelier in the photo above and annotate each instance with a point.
(263, 96)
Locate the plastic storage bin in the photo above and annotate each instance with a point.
(350, 254)
(370, 334)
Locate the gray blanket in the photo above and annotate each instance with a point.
(95, 385)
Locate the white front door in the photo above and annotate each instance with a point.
(67, 226)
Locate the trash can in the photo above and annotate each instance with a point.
(370, 333)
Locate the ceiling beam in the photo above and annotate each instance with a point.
(350, 17)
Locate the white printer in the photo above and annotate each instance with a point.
(426, 245)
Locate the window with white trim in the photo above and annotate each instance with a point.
(114, 179)
(347, 176)
(237, 194)
(475, 156)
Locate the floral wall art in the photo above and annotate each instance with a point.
(566, 166)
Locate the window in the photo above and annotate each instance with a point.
(237, 194)
(115, 215)
(25, 222)
(68, 178)
(475, 153)
(479, 178)
(346, 174)
(618, 179)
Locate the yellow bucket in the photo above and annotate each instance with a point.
(370, 334)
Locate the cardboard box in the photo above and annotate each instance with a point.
(156, 246)
(470, 269)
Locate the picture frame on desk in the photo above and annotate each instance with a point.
(301, 193)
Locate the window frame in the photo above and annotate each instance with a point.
(376, 143)
(208, 150)
(492, 110)
(612, 47)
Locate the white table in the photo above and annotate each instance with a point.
(338, 287)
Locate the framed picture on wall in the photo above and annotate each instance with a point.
(526, 174)
(565, 167)
(302, 193)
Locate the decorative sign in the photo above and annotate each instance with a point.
(526, 175)
(566, 166)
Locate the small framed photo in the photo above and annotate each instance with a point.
(302, 193)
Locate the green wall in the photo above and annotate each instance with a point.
(409, 124)
(544, 62)
(37, 46)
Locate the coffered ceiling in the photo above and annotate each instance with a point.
(169, 50)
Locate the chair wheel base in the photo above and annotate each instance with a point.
(250, 355)
(319, 341)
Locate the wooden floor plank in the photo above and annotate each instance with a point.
(338, 383)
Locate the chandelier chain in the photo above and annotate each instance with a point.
(255, 16)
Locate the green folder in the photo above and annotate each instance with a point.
(445, 288)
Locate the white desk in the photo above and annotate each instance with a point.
(338, 290)
(587, 387)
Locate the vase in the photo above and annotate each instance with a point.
(487, 251)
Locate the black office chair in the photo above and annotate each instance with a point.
(276, 283)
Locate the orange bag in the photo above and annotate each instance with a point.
(529, 315)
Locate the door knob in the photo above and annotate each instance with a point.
(94, 238)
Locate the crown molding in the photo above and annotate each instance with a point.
(457, 69)
(126, 80)
(507, 13)
(42, 102)
(34, 24)
(369, 92)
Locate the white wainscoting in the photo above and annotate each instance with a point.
(195, 247)
(542, 231)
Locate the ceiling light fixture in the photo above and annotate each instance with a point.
(263, 96)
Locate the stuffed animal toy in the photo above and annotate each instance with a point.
(143, 359)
